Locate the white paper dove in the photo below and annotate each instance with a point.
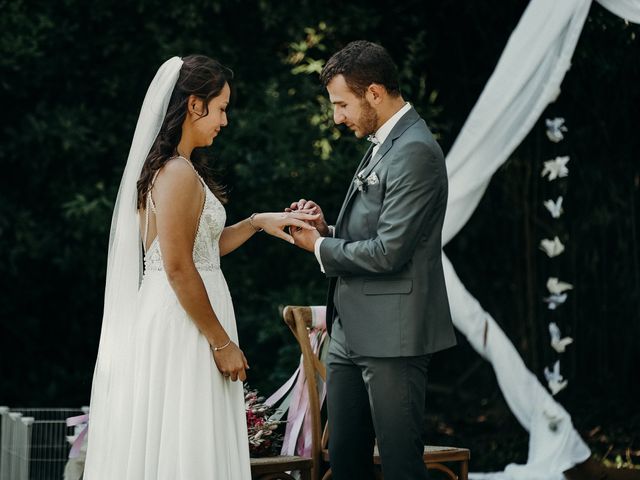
(555, 286)
(555, 381)
(558, 344)
(555, 208)
(555, 300)
(556, 168)
(552, 248)
(555, 127)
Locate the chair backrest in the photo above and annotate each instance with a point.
(300, 321)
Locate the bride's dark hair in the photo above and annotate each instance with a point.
(205, 78)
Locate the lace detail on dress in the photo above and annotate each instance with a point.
(206, 247)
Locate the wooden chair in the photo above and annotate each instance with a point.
(299, 320)
(276, 468)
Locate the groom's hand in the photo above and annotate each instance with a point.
(305, 239)
(309, 206)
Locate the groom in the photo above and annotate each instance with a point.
(387, 308)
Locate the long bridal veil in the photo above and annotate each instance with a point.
(110, 391)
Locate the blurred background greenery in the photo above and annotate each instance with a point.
(72, 78)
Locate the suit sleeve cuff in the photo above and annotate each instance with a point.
(316, 250)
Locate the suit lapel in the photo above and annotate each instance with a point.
(382, 151)
(405, 122)
(352, 187)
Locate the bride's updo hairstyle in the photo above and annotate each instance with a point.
(205, 78)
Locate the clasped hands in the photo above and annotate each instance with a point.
(283, 224)
(302, 223)
(305, 222)
(305, 238)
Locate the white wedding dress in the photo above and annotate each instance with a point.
(186, 421)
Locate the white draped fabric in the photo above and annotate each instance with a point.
(526, 79)
(627, 9)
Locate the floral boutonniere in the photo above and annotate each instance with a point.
(363, 183)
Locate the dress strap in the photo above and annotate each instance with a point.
(153, 181)
(193, 167)
(146, 219)
(150, 205)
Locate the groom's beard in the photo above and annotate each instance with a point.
(368, 120)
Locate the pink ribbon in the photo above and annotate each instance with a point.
(305, 434)
(319, 317)
(79, 441)
(282, 391)
(298, 434)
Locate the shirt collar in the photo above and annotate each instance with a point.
(383, 132)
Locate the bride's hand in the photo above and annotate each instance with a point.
(275, 223)
(313, 208)
(231, 362)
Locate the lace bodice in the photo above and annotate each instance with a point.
(206, 248)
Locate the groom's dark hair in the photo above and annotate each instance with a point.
(363, 63)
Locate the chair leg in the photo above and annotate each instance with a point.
(305, 474)
(328, 474)
(464, 470)
(447, 471)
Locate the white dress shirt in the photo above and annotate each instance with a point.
(381, 134)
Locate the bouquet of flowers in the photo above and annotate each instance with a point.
(264, 438)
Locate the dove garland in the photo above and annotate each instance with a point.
(555, 127)
(555, 208)
(555, 380)
(554, 300)
(558, 344)
(553, 247)
(556, 168)
(556, 286)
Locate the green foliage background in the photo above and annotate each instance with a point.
(72, 78)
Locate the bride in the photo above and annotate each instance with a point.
(165, 402)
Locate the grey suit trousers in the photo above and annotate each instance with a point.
(369, 398)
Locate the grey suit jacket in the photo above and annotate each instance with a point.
(385, 261)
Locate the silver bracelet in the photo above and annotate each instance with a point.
(217, 349)
(251, 223)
